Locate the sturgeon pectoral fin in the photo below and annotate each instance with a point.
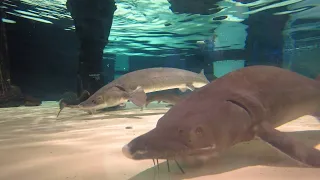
(183, 89)
(291, 147)
(188, 86)
(138, 97)
(191, 87)
(123, 105)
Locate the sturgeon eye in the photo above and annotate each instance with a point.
(199, 131)
(98, 100)
(180, 131)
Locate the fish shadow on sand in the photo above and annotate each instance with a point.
(252, 153)
(127, 116)
(116, 114)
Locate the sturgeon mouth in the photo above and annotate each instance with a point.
(166, 154)
(163, 146)
(157, 146)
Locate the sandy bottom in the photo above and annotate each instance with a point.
(34, 145)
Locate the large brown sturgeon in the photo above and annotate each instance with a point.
(244, 104)
(134, 85)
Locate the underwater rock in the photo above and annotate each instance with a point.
(31, 101)
(11, 97)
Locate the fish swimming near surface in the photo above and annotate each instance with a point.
(237, 107)
(134, 85)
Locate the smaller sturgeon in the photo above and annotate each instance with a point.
(134, 85)
(168, 97)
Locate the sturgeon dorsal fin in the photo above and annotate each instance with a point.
(201, 72)
(204, 76)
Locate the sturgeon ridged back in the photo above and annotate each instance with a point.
(155, 79)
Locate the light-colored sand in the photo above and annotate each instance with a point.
(34, 145)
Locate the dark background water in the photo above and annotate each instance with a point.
(44, 55)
